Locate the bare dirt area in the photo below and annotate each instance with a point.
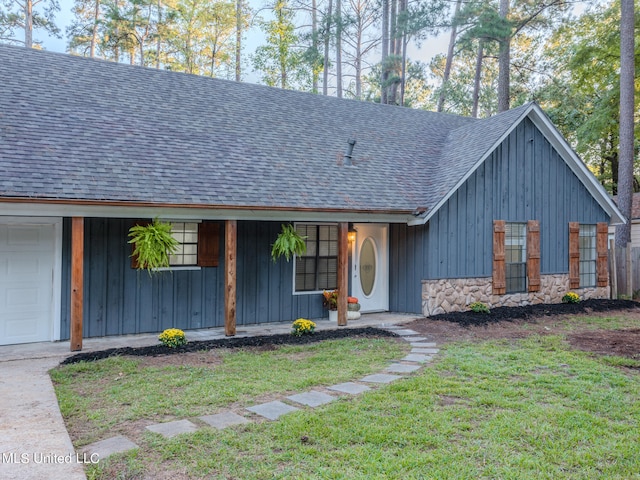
(520, 322)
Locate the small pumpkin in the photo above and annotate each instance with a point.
(352, 300)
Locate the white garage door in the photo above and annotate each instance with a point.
(27, 260)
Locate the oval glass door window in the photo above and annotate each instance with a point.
(367, 266)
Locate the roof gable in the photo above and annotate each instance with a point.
(469, 147)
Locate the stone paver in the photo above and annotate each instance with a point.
(405, 332)
(224, 420)
(402, 368)
(417, 357)
(272, 410)
(351, 388)
(412, 339)
(424, 344)
(107, 447)
(380, 378)
(312, 398)
(171, 429)
(428, 351)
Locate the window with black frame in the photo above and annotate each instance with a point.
(317, 269)
(588, 255)
(516, 257)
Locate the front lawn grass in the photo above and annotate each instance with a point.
(99, 398)
(522, 409)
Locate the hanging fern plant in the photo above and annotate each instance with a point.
(288, 243)
(153, 244)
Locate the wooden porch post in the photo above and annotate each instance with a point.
(230, 250)
(77, 281)
(343, 272)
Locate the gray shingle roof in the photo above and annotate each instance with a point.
(87, 130)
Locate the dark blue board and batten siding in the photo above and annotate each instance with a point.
(523, 179)
(119, 300)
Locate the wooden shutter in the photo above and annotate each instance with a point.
(499, 269)
(602, 262)
(533, 255)
(134, 258)
(574, 255)
(208, 244)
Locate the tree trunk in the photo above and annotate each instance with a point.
(239, 39)
(476, 79)
(339, 48)
(314, 45)
(627, 103)
(504, 63)
(393, 38)
(358, 62)
(94, 30)
(327, 36)
(449, 61)
(28, 23)
(384, 75)
(158, 39)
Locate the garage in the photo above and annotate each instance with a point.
(29, 280)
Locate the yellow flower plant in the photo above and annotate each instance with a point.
(302, 326)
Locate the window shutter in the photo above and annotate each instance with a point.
(134, 258)
(533, 255)
(499, 270)
(208, 244)
(574, 255)
(602, 262)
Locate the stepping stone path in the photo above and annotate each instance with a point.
(421, 352)
(171, 429)
(272, 410)
(224, 420)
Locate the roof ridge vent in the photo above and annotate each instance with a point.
(348, 154)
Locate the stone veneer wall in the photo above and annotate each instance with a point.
(451, 295)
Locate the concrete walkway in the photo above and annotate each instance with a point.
(34, 443)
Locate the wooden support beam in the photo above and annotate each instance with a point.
(77, 282)
(343, 272)
(230, 266)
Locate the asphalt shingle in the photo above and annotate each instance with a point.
(88, 130)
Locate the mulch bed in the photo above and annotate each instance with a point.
(501, 314)
(234, 342)
(444, 327)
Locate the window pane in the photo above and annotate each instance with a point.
(516, 257)
(588, 255)
(317, 269)
(186, 233)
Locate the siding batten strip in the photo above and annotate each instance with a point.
(230, 267)
(77, 282)
(343, 272)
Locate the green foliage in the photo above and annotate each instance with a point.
(173, 338)
(581, 94)
(479, 307)
(281, 62)
(571, 297)
(302, 326)
(153, 244)
(288, 243)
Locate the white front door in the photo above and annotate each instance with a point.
(370, 267)
(27, 260)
